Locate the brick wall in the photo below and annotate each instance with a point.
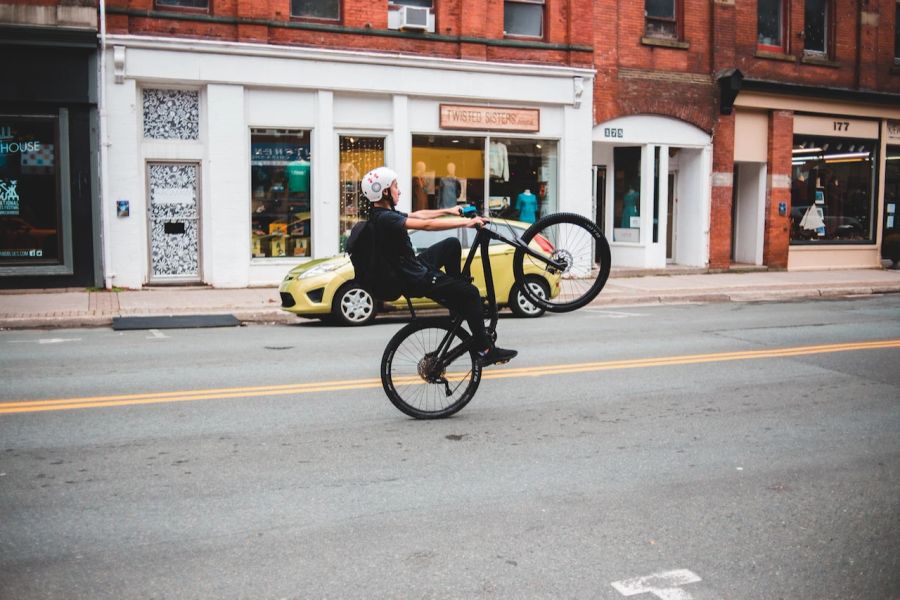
(862, 50)
(363, 26)
(721, 197)
(634, 77)
(777, 227)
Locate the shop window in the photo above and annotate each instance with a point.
(523, 17)
(627, 194)
(189, 4)
(770, 25)
(31, 199)
(356, 156)
(816, 27)
(832, 189)
(280, 213)
(522, 178)
(447, 171)
(316, 9)
(660, 19)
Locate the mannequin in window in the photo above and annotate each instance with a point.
(526, 204)
(419, 192)
(630, 203)
(450, 189)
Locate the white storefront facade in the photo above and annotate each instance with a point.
(229, 163)
(652, 190)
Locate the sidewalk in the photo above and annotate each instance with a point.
(81, 308)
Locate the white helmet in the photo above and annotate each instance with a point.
(376, 181)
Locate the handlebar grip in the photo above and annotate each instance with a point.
(469, 211)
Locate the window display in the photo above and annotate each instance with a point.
(832, 189)
(447, 170)
(280, 213)
(627, 195)
(522, 176)
(30, 221)
(357, 156)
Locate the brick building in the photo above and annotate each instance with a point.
(791, 108)
(239, 130)
(49, 198)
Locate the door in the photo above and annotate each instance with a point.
(174, 223)
(599, 201)
(671, 229)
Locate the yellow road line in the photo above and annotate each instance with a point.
(27, 406)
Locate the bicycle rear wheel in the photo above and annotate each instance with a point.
(412, 381)
(581, 253)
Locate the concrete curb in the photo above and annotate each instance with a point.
(274, 315)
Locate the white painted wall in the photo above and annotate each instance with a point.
(328, 92)
(694, 173)
(750, 213)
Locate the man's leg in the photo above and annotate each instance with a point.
(462, 297)
(446, 254)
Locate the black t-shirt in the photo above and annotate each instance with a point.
(391, 225)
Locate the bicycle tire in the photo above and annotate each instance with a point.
(579, 243)
(403, 366)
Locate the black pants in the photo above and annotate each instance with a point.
(450, 290)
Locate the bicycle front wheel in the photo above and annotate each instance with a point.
(572, 258)
(416, 382)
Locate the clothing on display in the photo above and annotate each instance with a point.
(630, 207)
(449, 192)
(526, 204)
(498, 161)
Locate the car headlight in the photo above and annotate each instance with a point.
(320, 270)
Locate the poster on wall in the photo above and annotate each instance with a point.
(29, 192)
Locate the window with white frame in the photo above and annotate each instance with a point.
(770, 25)
(316, 9)
(660, 18)
(816, 27)
(523, 17)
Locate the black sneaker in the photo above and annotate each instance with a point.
(495, 355)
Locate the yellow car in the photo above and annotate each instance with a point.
(324, 288)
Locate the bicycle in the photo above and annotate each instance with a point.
(430, 370)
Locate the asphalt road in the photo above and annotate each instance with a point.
(742, 451)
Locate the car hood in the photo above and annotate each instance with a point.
(332, 261)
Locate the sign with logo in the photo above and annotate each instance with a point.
(490, 118)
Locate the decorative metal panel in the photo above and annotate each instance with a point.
(174, 221)
(171, 114)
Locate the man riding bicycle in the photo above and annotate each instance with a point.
(421, 274)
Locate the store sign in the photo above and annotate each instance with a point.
(490, 118)
(835, 127)
(893, 132)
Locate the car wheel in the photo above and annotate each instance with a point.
(353, 305)
(519, 303)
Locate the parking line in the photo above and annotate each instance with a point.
(29, 406)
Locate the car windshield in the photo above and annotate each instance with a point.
(504, 227)
(422, 239)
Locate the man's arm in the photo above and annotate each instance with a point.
(438, 212)
(442, 224)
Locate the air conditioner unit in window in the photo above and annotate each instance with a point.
(415, 18)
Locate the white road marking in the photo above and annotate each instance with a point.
(665, 585)
(45, 341)
(157, 334)
(612, 314)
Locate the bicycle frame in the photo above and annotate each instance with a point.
(482, 242)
